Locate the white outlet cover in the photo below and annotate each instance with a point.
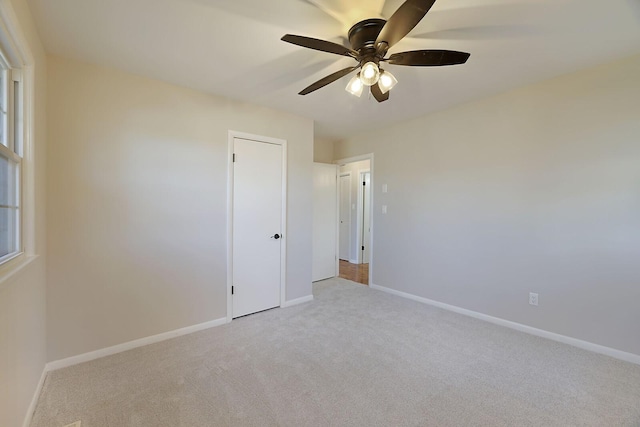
(384, 209)
(533, 298)
(76, 424)
(384, 188)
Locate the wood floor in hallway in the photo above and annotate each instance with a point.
(355, 272)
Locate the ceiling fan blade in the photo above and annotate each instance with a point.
(429, 58)
(321, 45)
(377, 93)
(325, 81)
(403, 21)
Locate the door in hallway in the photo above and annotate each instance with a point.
(257, 226)
(345, 216)
(325, 221)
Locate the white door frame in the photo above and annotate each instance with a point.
(283, 246)
(369, 157)
(340, 175)
(360, 213)
(338, 222)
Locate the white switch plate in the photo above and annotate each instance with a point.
(353, 206)
(385, 188)
(533, 298)
(384, 209)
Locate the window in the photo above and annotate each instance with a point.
(10, 161)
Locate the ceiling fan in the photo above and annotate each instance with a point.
(370, 41)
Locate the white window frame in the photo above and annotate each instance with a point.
(17, 56)
(13, 93)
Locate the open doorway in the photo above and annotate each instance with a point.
(356, 222)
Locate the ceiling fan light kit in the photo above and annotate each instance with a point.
(370, 41)
(386, 81)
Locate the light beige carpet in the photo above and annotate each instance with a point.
(354, 356)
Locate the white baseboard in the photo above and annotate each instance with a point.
(92, 355)
(297, 301)
(34, 400)
(585, 345)
(354, 261)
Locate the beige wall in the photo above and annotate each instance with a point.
(137, 205)
(323, 150)
(23, 295)
(532, 190)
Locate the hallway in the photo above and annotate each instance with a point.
(355, 272)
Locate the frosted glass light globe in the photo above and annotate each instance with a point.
(370, 74)
(387, 81)
(355, 86)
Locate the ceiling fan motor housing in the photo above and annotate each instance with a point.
(364, 34)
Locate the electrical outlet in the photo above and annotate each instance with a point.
(385, 188)
(533, 298)
(384, 209)
(76, 424)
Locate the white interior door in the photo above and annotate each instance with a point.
(325, 215)
(345, 216)
(366, 217)
(257, 226)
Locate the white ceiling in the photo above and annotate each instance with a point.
(232, 48)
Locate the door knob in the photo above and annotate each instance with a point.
(276, 236)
